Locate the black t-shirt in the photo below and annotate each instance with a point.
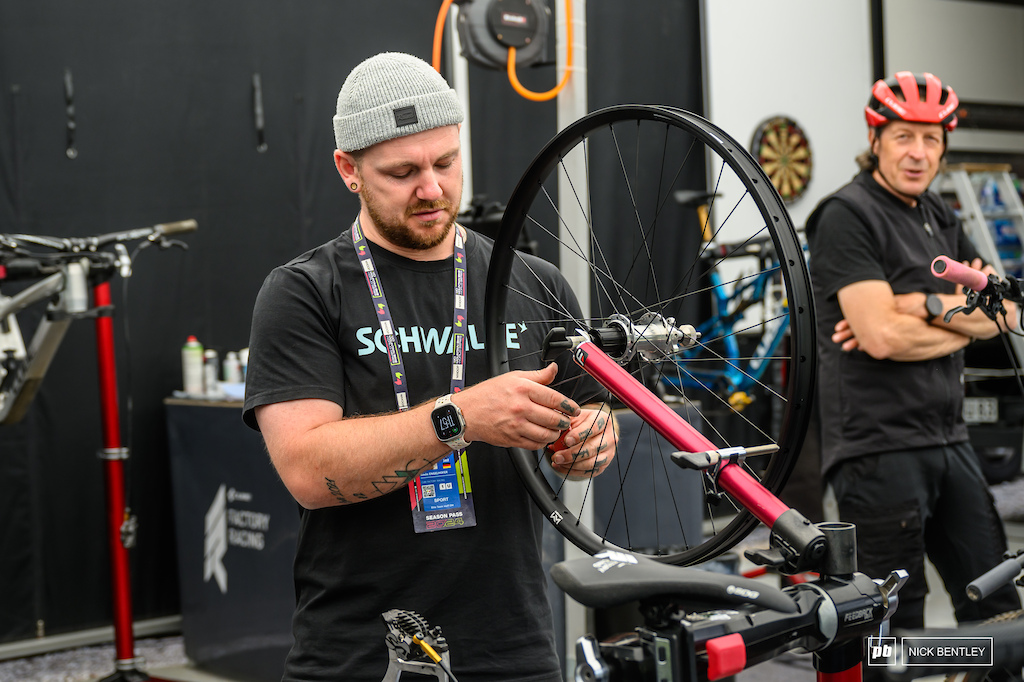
(863, 232)
(315, 334)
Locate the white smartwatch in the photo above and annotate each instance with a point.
(449, 424)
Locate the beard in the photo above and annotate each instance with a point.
(398, 232)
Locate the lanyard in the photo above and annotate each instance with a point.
(441, 497)
(380, 305)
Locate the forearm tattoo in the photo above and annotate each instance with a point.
(389, 483)
(335, 492)
(400, 478)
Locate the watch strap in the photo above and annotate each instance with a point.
(933, 307)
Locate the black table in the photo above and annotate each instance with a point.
(236, 528)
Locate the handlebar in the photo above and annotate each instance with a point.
(948, 269)
(20, 259)
(79, 244)
(995, 578)
(986, 292)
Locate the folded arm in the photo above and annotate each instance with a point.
(875, 322)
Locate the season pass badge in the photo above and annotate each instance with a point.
(442, 496)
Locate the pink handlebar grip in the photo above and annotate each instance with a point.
(948, 269)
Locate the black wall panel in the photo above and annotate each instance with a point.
(164, 130)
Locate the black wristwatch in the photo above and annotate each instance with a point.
(449, 424)
(933, 305)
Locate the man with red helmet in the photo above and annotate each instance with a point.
(895, 449)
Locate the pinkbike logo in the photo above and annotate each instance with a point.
(881, 650)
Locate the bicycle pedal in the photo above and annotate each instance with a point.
(740, 400)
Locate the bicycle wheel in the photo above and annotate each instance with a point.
(640, 254)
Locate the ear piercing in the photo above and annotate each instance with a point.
(354, 186)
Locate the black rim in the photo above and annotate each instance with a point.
(614, 129)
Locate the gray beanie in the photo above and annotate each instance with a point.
(392, 95)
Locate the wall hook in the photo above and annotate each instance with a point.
(69, 110)
(257, 111)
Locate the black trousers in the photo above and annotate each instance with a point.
(931, 501)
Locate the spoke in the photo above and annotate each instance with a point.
(575, 247)
(636, 210)
(678, 173)
(732, 363)
(736, 332)
(600, 275)
(725, 402)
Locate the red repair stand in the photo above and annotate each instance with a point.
(113, 455)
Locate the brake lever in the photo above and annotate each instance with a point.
(165, 243)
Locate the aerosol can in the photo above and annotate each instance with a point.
(192, 366)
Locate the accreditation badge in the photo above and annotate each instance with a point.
(442, 496)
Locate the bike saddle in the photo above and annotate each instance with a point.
(612, 578)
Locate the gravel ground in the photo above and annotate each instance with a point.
(90, 663)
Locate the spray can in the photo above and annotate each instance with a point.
(192, 366)
(210, 373)
(232, 368)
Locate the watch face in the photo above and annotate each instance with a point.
(447, 424)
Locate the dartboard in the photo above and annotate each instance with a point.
(784, 153)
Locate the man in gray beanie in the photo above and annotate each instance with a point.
(368, 379)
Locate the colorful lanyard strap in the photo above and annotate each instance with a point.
(387, 326)
(432, 508)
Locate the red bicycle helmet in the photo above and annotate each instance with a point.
(924, 100)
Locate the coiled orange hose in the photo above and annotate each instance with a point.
(512, 77)
(552, 93)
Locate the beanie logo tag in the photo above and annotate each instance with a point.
(406, 116)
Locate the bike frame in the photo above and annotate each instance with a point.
(720, 327)
(20, 389)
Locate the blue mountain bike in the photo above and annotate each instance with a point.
(737, 354)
